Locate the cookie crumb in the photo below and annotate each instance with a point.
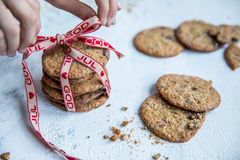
(105, 137)
(136, 142)
(124, 123)
(108, 105)
(123, 137)
(114, 137)
(5, 156)
(158, 142)
(144, 128)
(156, 156)
(116, 130)
(124, 109)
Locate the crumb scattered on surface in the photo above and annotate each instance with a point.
(5, 156)
(124, 123)
(144, 128)
(124, 137)
(156, 156)
(114, 137)
(136, 141)
(88, 137)
(105, 137)
(108, 105)
(116, 130)
(124, 108)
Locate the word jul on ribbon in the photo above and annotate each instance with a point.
(71, 53)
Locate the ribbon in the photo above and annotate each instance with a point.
(71, 54)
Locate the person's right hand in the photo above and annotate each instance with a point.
(19, 25)
(107, 9)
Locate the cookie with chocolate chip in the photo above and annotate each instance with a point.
(90, 85)
(188, 92)
(52, 60)
(57, 94)
(169, 122)
(195, 36)
(232, 56)
(158, 42)
(226, 33)
(82, 107)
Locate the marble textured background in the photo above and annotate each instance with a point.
(132, 80)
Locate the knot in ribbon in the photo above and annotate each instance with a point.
(71, 53)
(61, 39)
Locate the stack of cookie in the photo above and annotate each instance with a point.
(194, 35)
(89, 93)
(177, 112)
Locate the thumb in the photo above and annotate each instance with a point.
(75, 7)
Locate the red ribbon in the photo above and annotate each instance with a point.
(71, 53)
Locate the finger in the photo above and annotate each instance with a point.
(113, 20)
(75, 7)
(119, 6)
(112, 12)
(3, 45)
(38, 27)
(28, 17)
(36, 6)
(11, 29)
(103, 9)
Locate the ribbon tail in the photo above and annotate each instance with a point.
(38, 47)
(100, 43)
(119, 54)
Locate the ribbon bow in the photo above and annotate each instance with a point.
(71, 53)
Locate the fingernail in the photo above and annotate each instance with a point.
(119, 6)
(11, 54)
(113, 21)
(108, 24)
(21, 50)
(104, 22)
(3, 53)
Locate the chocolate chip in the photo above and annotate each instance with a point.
(194, 88)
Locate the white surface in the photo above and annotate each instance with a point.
(132, 80)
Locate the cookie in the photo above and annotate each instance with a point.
(76, 80)
(57, 94)
(158, 42)
(232, 56)
(169, 122)
(83, 107)
(226, 33)
(195, 36)
(89, 85)
(52, 60)
(188, 92)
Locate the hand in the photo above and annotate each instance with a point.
(19, 25)
(107, 9)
